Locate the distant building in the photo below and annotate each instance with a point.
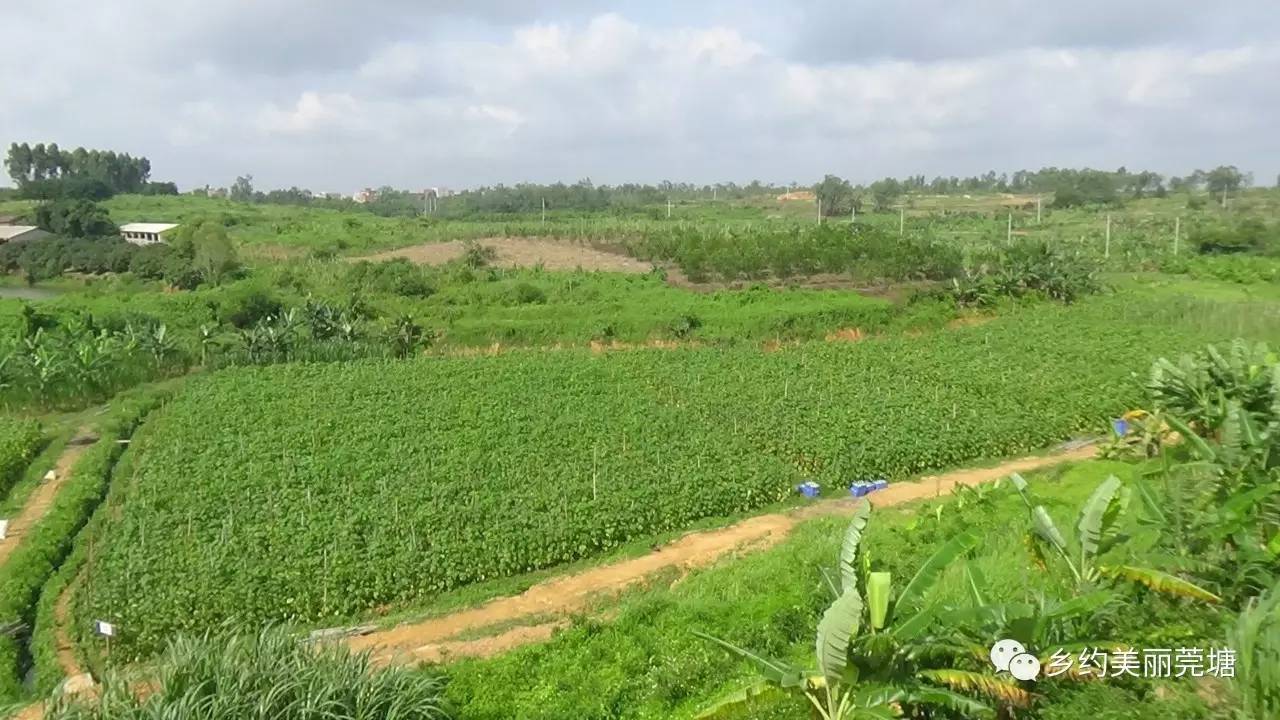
(365, 195)
(145, 233)
(12, 233)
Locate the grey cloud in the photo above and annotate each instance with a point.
(929, 30)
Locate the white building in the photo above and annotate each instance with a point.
(145, 233)
(11, 233)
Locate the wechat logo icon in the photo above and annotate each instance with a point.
(1012, 657)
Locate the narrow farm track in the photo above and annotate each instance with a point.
(41, 499)
(434, 639)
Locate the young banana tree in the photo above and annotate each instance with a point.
(1093, 555)
(874, 655)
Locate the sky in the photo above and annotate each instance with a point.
(337, 96)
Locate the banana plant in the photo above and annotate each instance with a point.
(1039, 623)
(873, 653)
(1255, 636)
(1093, 555)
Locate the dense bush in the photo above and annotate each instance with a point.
(20, 439)
(75, 218)
(397, 277)
(1247, 236)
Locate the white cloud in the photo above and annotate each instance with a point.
(690, 93)
(313, 111)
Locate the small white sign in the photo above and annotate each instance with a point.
(105, 628)
(4, 529)
(50, 476)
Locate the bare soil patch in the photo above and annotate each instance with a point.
(521, 252)
(431, 640)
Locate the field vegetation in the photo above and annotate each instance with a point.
(293, 434)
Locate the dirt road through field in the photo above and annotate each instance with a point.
(435, 639)
(41, 499)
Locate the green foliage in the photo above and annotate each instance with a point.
(1027, 268)
(1250, 235)
(267, 676)
(1255, 636)
(75, 218)
(865, 252)
(681, 435)
(836, 196)
(42, 549)
(1089, 187)
(42, 170)
(84, 361)
(20, 440)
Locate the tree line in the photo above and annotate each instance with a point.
(1070, 187)
(43, 171)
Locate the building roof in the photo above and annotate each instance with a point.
(147, 227)
(9, 232)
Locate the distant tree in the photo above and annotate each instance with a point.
(242, 189)
(835, 195)
(1224, 178)
(1088, 187)
(884, 192)
(19, 162)
(214, 255)
(160, 188)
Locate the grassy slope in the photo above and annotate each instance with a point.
(643, 662)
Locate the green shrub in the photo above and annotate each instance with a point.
(20, 440)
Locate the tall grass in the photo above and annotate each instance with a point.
(267, 676)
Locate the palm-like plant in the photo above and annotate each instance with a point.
(1255, 636)
(1096, 552)
(874, 654)
(1197, 388)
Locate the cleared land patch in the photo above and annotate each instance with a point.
(521, 252)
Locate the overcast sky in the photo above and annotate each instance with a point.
(412, 93)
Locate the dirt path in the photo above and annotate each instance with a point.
(41, 499)
(433, 639)
(65, 646)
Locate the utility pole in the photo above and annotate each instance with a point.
(902, 221)
(853, 212)
(544, 211)
(1008, 234)
(668, 208)
(1106, 250)
(1177, 230)
(819, 210)
(1037, 209)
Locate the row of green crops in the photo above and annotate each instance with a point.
(43, 549)
(314, 493)
(20, 440)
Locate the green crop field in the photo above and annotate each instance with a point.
(314, 493)
(19, 442)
